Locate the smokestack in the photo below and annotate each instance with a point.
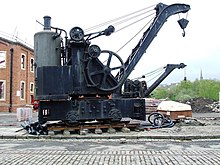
(47, 23)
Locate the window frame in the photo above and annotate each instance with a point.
(31, 88)
(23, 61)
(22, 91)
(3, 59)
(32, 65)
(4, 90)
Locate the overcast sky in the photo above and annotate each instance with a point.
(199, 49)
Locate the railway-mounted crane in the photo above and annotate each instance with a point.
(74, 84)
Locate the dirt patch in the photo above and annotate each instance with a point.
(203, 105)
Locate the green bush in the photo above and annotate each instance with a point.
(187, 90)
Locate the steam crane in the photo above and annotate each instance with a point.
(77, 81)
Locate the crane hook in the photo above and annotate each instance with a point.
(183, 23)
(184, 33)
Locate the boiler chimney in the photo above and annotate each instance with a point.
(47, 24)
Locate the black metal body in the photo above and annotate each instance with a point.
(84, 88)
(92, 109)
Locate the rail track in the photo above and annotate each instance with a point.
(155, 120)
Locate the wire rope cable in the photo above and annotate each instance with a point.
(133, 37)
(155, 77)
(116, 19)
(128, 20)
(154, 72)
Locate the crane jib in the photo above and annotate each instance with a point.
(162, 13)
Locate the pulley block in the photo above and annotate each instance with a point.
(94, 51)
(109, 30)
(183, 23)
(76, 34)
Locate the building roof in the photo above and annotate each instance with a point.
(16, 41)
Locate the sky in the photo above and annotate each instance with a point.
(199, 49)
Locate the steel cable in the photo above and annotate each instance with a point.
(151, 73)
(137, 22)
(155, 77)
(127, 18)
(134, 35)
(116, 19)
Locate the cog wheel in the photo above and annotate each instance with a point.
(76, 34)
(72, 117)
(94, 51)
(103, 71)
(115, 114)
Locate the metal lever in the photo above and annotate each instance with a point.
(108, 31)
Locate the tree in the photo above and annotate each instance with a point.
(186, 90)
(160, 93)
(208, 89)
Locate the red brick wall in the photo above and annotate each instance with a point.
(4, 46)
(18, 74)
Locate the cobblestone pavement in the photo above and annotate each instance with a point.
(184, 145)
(104, 152)
(110, 158)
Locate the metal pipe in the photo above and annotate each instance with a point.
(11, 73)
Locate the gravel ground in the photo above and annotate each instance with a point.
(201, 124)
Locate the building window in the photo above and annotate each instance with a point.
(32, 65)
(22, 90)
(2, 59)
(2, 89)
(32, 87)
(23, 61)
(32, 99)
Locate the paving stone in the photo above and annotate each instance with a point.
(111, 130)
(83, 132)
(125, 130)
(99, 158)
(98, 131)
(66, 132)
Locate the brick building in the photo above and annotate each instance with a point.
(16, 75)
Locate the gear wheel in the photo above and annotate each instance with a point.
(72, 116)
(115, 114)
(102, 72)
